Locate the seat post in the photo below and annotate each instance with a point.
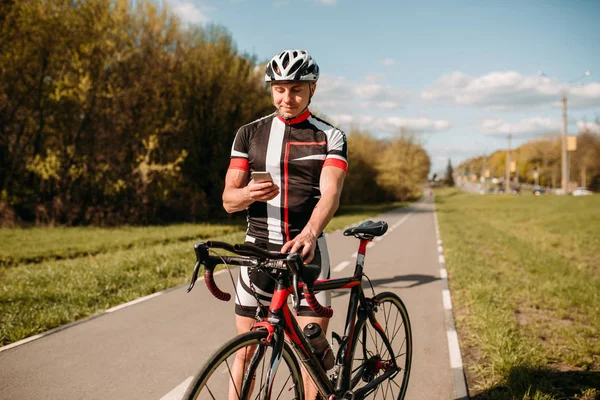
(360, 256)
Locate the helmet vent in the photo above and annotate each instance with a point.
(275, 67)
(285, 61)
(296, 65)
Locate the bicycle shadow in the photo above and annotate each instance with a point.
(416, 279)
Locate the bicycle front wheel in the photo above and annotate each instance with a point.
(239, 371)
(371, 358)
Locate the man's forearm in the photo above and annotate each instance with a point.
(322, 214)
(236, 199)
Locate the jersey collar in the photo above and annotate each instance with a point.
(296, 120)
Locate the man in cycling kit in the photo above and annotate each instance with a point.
(307, 160)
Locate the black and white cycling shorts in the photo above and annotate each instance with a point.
(264, 285)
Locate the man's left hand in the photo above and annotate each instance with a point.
(305, 241)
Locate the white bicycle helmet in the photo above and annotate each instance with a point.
(292, 65)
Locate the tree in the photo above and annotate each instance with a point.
(449, 177)
(110, 115)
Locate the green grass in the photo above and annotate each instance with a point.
(53, 276)
(525, 278)
(56, 243)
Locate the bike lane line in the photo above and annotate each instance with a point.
(456, 364)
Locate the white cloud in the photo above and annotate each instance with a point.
(592, 127)
(388, 62)
(187, 12)
(530, 126)
(370, 104)
(391, 124)
(337, 95)
(509, 90)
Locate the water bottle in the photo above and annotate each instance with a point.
(320, 345)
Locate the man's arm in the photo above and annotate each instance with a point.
(330, 184)
(237, 196)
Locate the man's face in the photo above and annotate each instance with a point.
(291, 98)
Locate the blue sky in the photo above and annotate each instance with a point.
(460, 75)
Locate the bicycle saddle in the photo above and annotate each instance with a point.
(368, 228)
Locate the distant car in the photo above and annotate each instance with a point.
(515, 190)
(500, 190)
(581, 191)
(539, 191)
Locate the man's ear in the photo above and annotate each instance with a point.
(314, 87)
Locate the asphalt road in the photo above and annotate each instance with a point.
(151, 349)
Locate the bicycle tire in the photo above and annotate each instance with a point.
(219, 368)
(392, 316)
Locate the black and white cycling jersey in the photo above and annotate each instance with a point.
(294, 152)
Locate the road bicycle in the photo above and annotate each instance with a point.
(374, 354)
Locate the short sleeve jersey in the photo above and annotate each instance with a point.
(294, 152)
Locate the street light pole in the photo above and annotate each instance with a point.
(564, 153)
(507, 175)
(565, 169)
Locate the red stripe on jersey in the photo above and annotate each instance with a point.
(336, 162)
(239, 163)
(286, 217)
(302, 117)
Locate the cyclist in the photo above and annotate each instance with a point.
(307, 160)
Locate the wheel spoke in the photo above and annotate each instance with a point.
(262, 374)
(211, 393)
(232, 380)
(283, 387)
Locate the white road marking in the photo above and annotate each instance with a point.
(341, 266)
(443, 273)
(441, 259)
(378, 238)
(136, 301)
(371, 244)
(439, 242)
(179, 391)
(455, 356)
(446, 299)
(20, 342)
(397, 224)
(440, 249)
(354, 255)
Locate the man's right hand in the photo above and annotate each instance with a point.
(261, 191)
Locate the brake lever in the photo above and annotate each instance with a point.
(296, 294)
(201, 251)
(294, 263)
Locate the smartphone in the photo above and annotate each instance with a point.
(261, 176)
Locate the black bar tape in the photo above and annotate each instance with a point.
(314, 305)
(212, 287)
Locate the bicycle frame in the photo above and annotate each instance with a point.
(281, 320)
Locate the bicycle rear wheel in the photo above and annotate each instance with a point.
(215, 380)
(371, 357)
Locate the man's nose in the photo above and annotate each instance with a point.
(287, 96)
